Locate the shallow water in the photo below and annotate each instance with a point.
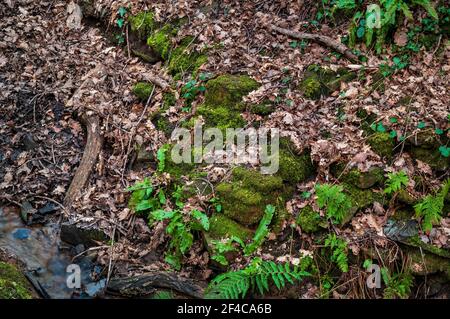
(40, 249)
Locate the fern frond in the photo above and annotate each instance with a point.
(430, 208)
(395, 182)
(255, 277)
(336, 202)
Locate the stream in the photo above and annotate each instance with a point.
(45, 257)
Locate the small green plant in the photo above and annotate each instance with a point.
(262, 231)
(336, 202)
(161, 156)
(227, 245)
(255, 277)
(120, 22)
(221, 247)
(429, 210)
(180, 228)
(191, 90)
(396, 182)
(338, 248)
(144, 198)
(398, 285)
(391, 11)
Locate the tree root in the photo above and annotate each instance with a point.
(321, 39)
(148, 283)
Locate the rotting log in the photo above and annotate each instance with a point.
(146, 284)
(321, 39)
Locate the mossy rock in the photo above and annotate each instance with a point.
(263, 109)
(426, 138)
(13, 284)
(143, 24)
(426, 264)
(228, 90)
(355, 177)
(221, 226)
(161, 41)
(319, 81)
(182, 60)
(415, 241)
(432, 157)
(405, 197)
(382, 144)
(310, 221)
(245, 197)
(294, 168)
(177, 170)
(223, 96)
(360, 198)
(143, 90)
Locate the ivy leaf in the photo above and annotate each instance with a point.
(438, 131)
(122, 11)
(360, 32)
(392, 134)
(421, 125)
(444, 150)
(393, 120)
(120, 23)
(381, 128)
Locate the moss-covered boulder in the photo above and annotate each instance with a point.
(381, 143)
(143, 90)
(161, 41)
(143, 24)
(13, 284)
(245, 197)
(294, 168)
(432, 157)
(310, 220)
(185, 60)
(426, 264)
(360, 198)
(221, 226)
(223, 97)
(355, 177)
(318, 81)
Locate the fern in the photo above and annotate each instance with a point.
(338, 248)
(336, 202)
(180, 232)
(395, 182)
(430, 208)
(398, 285)
(262, 231)
(255, 277)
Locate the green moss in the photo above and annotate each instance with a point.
(143, 24)
(360, 198)
(309, 220)
(322, 81)
(180, 169)
(294, 168)
(431, 157)
(161, 41)
(425, 264)
(13, 285)
(416, 242)
(357, 178)
(182, 60)
(262, 109)
(245, 197)
(221, 226)
(228, 90)
(142, 90)
(222, 117)
(169, 100)
(382, 144)
(311, 87)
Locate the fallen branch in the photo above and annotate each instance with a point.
(321, 39)
(146, 284)
(94, 138)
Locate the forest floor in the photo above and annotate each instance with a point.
(392, 115)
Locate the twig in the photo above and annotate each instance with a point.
(321, 39)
